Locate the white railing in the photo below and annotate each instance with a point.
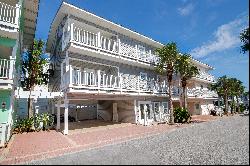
(206, 76)
(94, 79)
(5, 68)
(9, 15)
(201, 93)
(99, 42)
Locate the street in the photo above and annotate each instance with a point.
(223, 141)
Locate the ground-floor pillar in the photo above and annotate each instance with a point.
(52, 107)
(66, 113)
(58, 115)
(115, 114)
(136, 112)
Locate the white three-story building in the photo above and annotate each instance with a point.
(109, 72)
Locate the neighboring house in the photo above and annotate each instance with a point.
(200, 99)
(17, 30)
(108, 71)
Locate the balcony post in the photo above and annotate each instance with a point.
(11, 68)
(136, 52)
(138, 84)
(119, 46)
(99, 39)
(62, 83)
(98, 78)
(120, 83)
(71, 31)
(17, 14)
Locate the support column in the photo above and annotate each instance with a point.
(115, 114)
(66, 112)
(58, 115)
(136, 113)
(144, 114)
(52, 107)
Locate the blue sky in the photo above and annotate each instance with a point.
(208, 29)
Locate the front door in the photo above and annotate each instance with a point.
(145, 112)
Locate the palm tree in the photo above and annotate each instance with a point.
(222, 87)
(186, 70)
(237, 89)
(168, 55)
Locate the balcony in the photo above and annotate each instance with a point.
(207, 77)
(6, 72)
(201, 93)
(9, 19)
(100, 43)
(85, 76)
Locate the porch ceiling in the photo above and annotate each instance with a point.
(86, 96)
(30, 20)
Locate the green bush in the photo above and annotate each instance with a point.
(242, 107)
(29, 124)
(181, 115)
(24, 125)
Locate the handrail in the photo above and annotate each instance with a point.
(9, 14)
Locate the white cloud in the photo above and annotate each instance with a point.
(186, 10)
(225, 37)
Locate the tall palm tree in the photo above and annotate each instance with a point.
(186, 70)
(168, 55)
(237, 89)
(222, 87)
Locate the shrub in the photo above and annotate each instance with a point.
(29, 124)
(24, 125)
(181, 115)
(242, 107)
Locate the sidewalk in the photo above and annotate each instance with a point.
(39, 145)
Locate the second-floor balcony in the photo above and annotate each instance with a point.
(9, 16)
(97, 41)
(83, 75)
(201, 93)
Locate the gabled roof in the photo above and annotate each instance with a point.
(67, 8)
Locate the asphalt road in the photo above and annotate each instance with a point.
(223, 141)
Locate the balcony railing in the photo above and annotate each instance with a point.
(99, 42)
(201, 93)
(6, 69)
(9, 15)
(95, 79)
(206, 76)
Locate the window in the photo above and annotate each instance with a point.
(157, 107)
(165, 107)
(143, 76)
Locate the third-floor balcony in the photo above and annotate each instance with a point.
(98, 42)
(206, 77)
